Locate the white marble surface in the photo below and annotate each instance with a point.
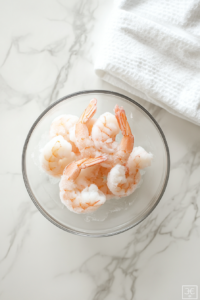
(47, 51)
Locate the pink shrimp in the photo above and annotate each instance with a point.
(119, 153)
(77, 192)
(123, 180)
(62, 125)
(56, 155)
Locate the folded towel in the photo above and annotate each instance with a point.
(152, 49)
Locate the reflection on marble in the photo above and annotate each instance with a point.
(47, 51)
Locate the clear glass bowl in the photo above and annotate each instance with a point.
(115, 216)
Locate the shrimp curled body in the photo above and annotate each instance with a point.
(56, 155)
(123, 180)
(76, 192)
(63, 125)
(104, 133)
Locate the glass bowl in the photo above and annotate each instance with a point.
(116, 215)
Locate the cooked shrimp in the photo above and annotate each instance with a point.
(126, 146)
(83, 139)
(98, 176)
(139, 159)
(123, 180)
(89, 125)
(117, 153)
(56, 155)
(104, 133)
(76, 192)
(62, 126)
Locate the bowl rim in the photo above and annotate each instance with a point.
(48, 216)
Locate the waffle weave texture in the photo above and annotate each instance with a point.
(152, 49)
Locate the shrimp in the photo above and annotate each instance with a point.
(127, 143)
(62, 126)
(104, 133)
(89, 125)
(56, 155)
(83, 139)
(117, 153)
(98, 176)
(139, 159)
(76, 192)
(123, 180)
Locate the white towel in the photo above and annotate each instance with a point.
(152, 49)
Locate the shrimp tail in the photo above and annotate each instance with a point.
(127, 142)
(122, 121)
(89, 111)
(88, 162)
(72, 171)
